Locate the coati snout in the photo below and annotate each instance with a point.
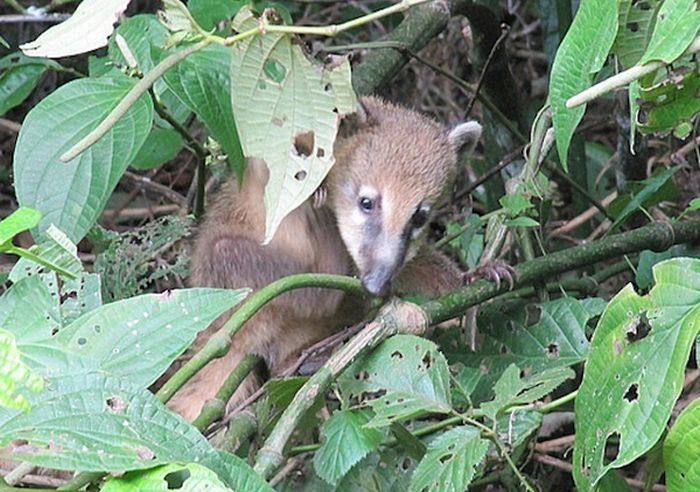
(389, 175)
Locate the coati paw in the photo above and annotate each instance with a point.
(320, 196)
(494, 271)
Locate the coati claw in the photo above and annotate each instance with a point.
(320, 196)
(494, 271)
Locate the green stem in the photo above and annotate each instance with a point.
(131, 97)
(216, 408)
(25, 253)
(218, 344)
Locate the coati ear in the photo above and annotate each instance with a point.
(465, 135)
(356, 121)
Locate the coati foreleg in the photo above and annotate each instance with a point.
(278, 332)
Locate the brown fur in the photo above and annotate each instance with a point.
(407, 158)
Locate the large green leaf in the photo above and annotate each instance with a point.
(346, 441)
(161, 146)
(677, 24)
(202, 83)
(293, 124)
(16, 378)
(581, 55)
(19, 75)
(556, 339)
(72, 195)
(409, 372)
(451, 461)
(635, 371)
(208, 13)
(190, 477)
(140, 337)
(682, 451)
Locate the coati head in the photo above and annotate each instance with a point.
(392, 166)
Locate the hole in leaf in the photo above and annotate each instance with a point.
(97, 328)
(427, 360)
(304, 143)
(632, 393)
(82, 341)
(612, 448)
(445, 458)
(362, 376)
(638, 329)
(300, 175)
(177, 479)
(397, 355)
(504, 349)
(553, 350)
(116, 404)
(633, 26)
(320, 152)
(54, 330)
(274, 70)
(406, 464)
(328, 87)
(277, 121)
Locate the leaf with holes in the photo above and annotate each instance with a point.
(670, 106)
(190, 477)
(203, 83)
(141, 336)
(451, 461)
(635, 371)
(346, 441)
(99, 423)
(581, 55)
(636, 21)
(293, 123)
(682, 451)
(512, 390)
(16, 378)
(406, 375)
(677, 23)
(557, 338)
(72, 195)
(87, 29)
(56, 252)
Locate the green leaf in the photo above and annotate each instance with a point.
(140, 337)
(346, 441)
(613, 482)
(190, 477)
(145, 38)
(282, 391)
(20, 220)
(18, 79)
(160, 147)
(72, 195)
(635, 371)
(581, 55)
(636, 22)
(210, 12)
(693, 205)
(203, 83)
(515, 204)
(645, 197)
(451, 461)
(677, 24)
(87, 29)
(177, 18)
(522, 222)
(556, 339)
(682, 451)
(409, 372)
(513, 390)
(517, 427)
(16, 378)
(293, 125)
(669, 105)
(647, 259)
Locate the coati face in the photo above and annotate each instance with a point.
(390, 172)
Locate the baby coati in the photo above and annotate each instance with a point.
(392, 166)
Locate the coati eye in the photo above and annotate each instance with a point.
(419, 218)
(366, 204)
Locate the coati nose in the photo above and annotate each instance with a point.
(377, 280)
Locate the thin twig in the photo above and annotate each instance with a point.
(504, 33)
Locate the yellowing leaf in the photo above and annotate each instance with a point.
(87, 29)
